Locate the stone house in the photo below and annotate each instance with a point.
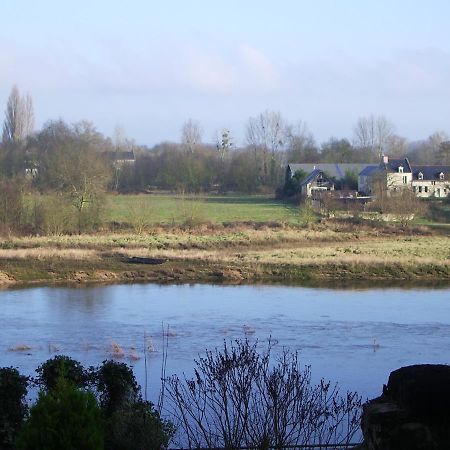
(431, 181)
(393, 175)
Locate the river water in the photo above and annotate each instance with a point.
(352, 337)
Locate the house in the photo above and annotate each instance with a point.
(365, 177)
(315, 184)
(336, 171)
(322, 176)
(390, 174)
(431, 181)
(393, 175)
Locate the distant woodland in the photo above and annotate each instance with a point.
(70, 158)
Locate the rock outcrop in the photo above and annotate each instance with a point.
(413, 413)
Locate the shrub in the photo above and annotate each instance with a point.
(13, 388)
(242, 398)
(138, 426)
(116, 386)
(64, 418)
(61, 367)
(52, 215)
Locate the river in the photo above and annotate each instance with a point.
(354, 337)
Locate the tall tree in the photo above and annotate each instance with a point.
(373, 132)
(301, 147)
(19, 117)
(191, 135)
(266, 135)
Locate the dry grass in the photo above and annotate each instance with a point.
(180, 239)
(409, 251)
(199, 253)
(48, 253)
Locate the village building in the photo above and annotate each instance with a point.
(336, 171)
(315, 183)
(431, 181)
(391, 175)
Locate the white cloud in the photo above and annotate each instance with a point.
(209, 71)
(244, 70)
(257, 68)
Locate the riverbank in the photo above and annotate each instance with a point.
(239, 254)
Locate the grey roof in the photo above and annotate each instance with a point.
(311, 177)
(369, 170)
(431, 172)
(337, 170)
(393, 164)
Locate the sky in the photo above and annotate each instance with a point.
(148, 66)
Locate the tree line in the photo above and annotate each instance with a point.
(69, 158)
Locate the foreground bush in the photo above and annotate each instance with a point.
(138, 426)
(116, 386)
(13, 408)
(68, 416)
(61, 366)
(240, 397)
(64, 418)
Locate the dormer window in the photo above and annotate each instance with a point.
(420, 176)
(400, 169)
(441, 176)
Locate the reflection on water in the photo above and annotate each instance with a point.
(353, 337)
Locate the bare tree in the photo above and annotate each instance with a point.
(19, 117)
(444, 152)
(300, 144)
(373, 132)
(397, 146)
(28, 113)
(434, 147)
(240, 397)
(224, 143)
(266, 134)
(191, 135)
(436, 139)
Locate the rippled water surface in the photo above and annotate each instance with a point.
(353, 337)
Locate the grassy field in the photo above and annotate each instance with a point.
(226, 239)
(173, 209)
(231, 254)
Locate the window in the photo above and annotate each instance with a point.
(400, 169)
(420, 189)
(420, 176)
(426, 188)
(405, 180)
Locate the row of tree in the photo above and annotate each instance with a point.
(71, 158)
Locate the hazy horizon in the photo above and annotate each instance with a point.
(149, 66)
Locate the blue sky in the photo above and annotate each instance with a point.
(149, 66)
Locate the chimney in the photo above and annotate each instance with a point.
(385, 159)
